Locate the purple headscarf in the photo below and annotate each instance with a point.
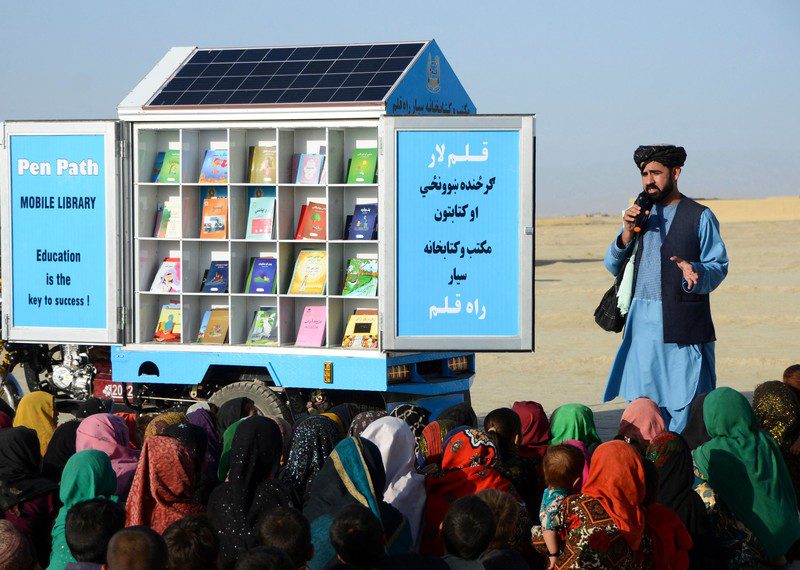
(203, 419)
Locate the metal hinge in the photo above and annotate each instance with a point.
(122, 317)
(122, 148)
(7, 323)
(528, 230)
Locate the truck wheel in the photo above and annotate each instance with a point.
(267, 402)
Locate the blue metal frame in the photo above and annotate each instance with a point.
(289, 370)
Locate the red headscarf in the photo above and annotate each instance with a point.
(162, 488)
(468, 466)
(616, 479)
(535, 429)
(671, 541)
(642, 420)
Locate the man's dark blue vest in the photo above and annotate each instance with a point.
(687, 316)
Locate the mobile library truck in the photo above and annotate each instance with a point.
(283, 223)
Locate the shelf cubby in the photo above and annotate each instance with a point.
(241, 254)
(243, 309)
(149, 143)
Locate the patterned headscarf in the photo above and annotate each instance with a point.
(159, 423)
(37, 411)
(415, 416)
(362, 420)
(430, 445)
(314, 439)
(163, 486)
(15, 553)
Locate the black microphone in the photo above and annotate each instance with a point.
(645, 203)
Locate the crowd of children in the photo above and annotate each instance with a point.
(346, 487)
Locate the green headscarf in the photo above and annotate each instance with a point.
(225, 457)
(745, 468)
(87, 475)
(573, 421)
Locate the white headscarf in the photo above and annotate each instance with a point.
(405, 488)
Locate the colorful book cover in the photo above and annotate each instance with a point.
(313, 222)
(361, 332)
(261, 278)
(309, 168)
(260, 218)
(262, 164)
(362, 226)
(168, 328)
(215, 167)
(217, 279)
(310, 273)
(312, 326)
(168, 277)
(264, 330)
(215, 218)
(203, 324)
(217, 327)
(362, 166)
(170, 219)
(157, 166)
(170, 167)
(361, 279)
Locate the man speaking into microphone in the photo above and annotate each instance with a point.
(667, 351)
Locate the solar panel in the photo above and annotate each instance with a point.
(264, 76)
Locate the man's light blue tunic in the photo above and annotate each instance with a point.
(669, 374)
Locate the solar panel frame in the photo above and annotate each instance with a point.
(317, 75)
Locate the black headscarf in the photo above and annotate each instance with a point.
(416, 417)
(695, 432)
(667, 154)
(313, 440)
(93, 406)
(231, 412)
(673, 460)
(362, 420)
(346, 413)
(237, 506)
(461, 414)
(59, 450)
(20, 467)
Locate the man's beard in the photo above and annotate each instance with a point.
(660, 193)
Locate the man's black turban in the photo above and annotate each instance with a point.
(666, 154)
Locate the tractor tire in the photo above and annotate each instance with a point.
(267, 402)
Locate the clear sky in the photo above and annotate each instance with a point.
(721, 78)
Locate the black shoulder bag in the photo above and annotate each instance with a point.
(607, 313)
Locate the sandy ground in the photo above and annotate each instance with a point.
(756, 311)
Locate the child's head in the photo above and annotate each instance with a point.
(563, 466)
(287, 529)
(792, 376)
(468, 528)
(506, 513)
(505, 428)
(137, 548)
(89, 527)
(357, 536)
(264, 558)
(192, 543)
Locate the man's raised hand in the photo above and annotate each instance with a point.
(689, 274)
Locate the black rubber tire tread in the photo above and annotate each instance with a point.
(266, 400)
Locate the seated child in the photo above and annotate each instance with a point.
(563, 469)
(88, 529)
(192, 543)
(288, 530)
(468, 529)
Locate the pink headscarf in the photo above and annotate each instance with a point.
(642, 421)
(535, 429)
(109, 434)
(579, 445)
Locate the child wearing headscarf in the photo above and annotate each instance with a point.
(37, 411)
(574, 421)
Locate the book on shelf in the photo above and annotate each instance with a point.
(310, 273)
(170, 171)
(309, 168)
(168, 219)
(264, 330)
(260, 218)
(203, 325)
(361, 278)
(313, 222)
(215, 167)
(157, 166)
(348, 223)
(361, 331)
(261, 277)
(262, 164)
(168, 276)
(362, 166)
(217, 326)
(168, 328)
(215, 218)
(312, 326)
(364, 222)
(216, 280)
(363, 311)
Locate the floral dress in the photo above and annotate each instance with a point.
(590, 538)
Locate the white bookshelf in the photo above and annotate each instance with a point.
(196, 253)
